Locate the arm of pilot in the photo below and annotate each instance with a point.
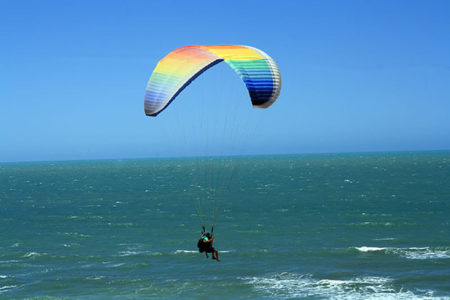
(210, 240)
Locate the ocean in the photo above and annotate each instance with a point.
(328, 226)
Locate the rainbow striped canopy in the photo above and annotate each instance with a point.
(180, 67)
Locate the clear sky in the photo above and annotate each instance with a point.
(357, 76)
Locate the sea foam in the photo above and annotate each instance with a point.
(410, 253)
(291, 285)
(6, 288)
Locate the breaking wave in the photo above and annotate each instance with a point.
(34, 254)
(196, 251)
(139, 253)
(290, 285)
(410, 253)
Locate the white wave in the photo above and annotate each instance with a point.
(196, 251)
(77, 234)
(186, 251)
(426, 253)
(367, 223)
(6, 288)
(288, 286)
(115, 265)
(128, 253)
(132, 253)
(8, 261)
(385, 239)
(33, 254)
(3, 276)
(369, 249)
(95, 277)
(410, 253)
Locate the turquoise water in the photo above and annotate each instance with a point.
(353, 226)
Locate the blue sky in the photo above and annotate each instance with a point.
(357, 76)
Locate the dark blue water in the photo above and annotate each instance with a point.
(353, 226)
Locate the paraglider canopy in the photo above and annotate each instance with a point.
(180, 67)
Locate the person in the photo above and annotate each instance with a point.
(205, 244)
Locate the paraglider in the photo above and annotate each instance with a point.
(182, 66)
(205, 244)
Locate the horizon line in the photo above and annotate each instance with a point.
(228, 156)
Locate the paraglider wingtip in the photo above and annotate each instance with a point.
(149, 114)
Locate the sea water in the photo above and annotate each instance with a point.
(344, 226)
